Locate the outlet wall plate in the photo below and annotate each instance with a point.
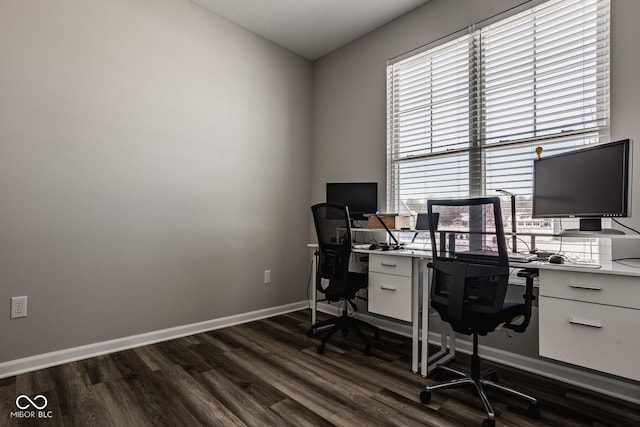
(18, 307)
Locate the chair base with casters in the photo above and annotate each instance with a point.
(344, 323)
(478, 382)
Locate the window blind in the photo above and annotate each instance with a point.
(428, 124)
(464, 117)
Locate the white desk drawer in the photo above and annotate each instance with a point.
(390, 264)
(623, 291)
(595, 336)
(390, 295)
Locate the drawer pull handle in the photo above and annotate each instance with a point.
(586, 287)
(386, 264)
(388, 288)
(585, 323)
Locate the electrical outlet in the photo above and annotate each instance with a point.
(267, 277)
(18, 307)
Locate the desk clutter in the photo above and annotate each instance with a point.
(392, 221)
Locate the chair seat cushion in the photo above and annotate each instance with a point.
(340, 290)
(358, 280)
(481, 323)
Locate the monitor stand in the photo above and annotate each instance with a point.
(591, 227)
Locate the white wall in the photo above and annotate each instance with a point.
(154, 160)
(349, 98)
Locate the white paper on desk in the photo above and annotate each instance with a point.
(324, 283)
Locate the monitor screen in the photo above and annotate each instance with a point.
(360, 197)
(590, 182)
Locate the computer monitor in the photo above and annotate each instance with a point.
(590, 183)
(360, 197)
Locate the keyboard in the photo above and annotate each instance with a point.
(518, 257)
(582, 265)
(361, 246)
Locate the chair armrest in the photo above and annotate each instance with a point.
(529, 274)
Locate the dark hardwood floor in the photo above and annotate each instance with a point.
(267, 373)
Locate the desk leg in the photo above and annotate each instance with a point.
(424, 354)
(447, 350)
(415, 314)
(314, 295)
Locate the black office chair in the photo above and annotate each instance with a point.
(469, 283)
(333, 277)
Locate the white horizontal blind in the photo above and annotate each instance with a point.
(545, 82)
(464, 118)
(428, 124)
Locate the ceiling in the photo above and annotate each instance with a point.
(310, 28)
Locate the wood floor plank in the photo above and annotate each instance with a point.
(601, 406)
(53, 405)
(299, 415)
(305, 391)
(8, 394)
(312, 367)
(204, 407)
(464, 414)
(268, 373)
(101, 369)
(34, 382)
(363, 369)
(115, 398)
(78, 404)
(241, 404)
(411, 409)
(215, 344)
(249, 381)
(129, 364)
(153, 393)
(152, 357)
(182, 354)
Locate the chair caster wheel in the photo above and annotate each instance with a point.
(493, 377)
(311, 332)
(533, 411)
(488, 423)
(320, 349)
(367, 351)
(425, 397)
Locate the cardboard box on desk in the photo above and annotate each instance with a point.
(394, 222)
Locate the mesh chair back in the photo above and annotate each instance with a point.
(333, 230)
(470, 258)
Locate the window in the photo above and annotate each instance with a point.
(464, 117)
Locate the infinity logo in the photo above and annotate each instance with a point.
(31, 402)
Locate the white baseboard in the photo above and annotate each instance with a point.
(624, 390)
(46, 360)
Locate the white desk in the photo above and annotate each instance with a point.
(587, 317)
(416, 263)
(590, 317)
